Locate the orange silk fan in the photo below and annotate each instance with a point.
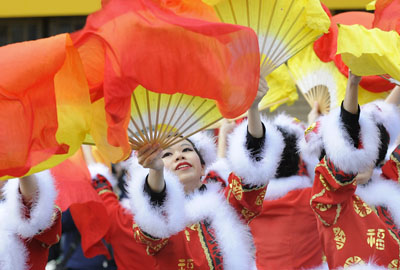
(45, 105)
(146, 63)
(283, 27)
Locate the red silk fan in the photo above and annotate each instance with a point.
(132, 43)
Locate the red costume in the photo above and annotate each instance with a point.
(354, 227)
(285, 233)
(28, 230)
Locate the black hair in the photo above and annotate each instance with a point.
(290, 159)
(383, 145)
(197, 152)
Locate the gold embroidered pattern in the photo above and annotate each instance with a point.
(361, 208)
(260, 197)
(353, 260)
(248, 215)
(310, 128)
(394, 264)
(397, 166)
(376, 238)
(324, 183)
(185, 264)
(153, 245)
(316, 212)
(340, 237)
(198, 227)
(236, 187)
(323, 207)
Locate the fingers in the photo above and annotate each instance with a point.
(148, 154)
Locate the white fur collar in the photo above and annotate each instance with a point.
(233, 236)
(13, 253)
(179, 211)
(341, 151)
(255, 173)
(162, 221)
(278, 188)
(382, 192)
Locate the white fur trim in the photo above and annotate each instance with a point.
(160, 222)
(233, 237)
(382, 192)
(279, 187)
(386, 114)
(368, 266)
(311, 149)
(100, 168)
(13, 254)
(42, 209)
(289, 124)
(339, 148)
(256, 173)
(205, 143)
(221, 167)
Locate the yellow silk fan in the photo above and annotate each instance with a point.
(283, 27)
(168, 119)
(370, 52)
(317, 80)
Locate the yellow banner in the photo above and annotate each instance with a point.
(45, 8)
(346, 4)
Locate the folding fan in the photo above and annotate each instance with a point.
(326, 48)
(167, 119)
(188, 66)
(283, 27)
(370, 52)
(317, 80)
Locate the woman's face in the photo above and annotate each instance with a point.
(183, 160)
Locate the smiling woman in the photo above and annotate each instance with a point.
(188, 209)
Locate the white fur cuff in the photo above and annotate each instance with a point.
(99, 168)
(41, 211)
(256, 173)
(386, 114)
(340, 149)
(158, 221)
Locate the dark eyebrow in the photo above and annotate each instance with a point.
(188, 144)
(183, 144)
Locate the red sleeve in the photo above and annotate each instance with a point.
(391, 168)
(51, 235)
(246, 201)
(332, 188)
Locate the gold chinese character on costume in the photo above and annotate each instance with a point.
(237, 189)
(353, 260)
(380, 241)
(260, 197)
(371, 239)
(323, 207)
(185, 264)
(340, 237)
(361, 208)
(394, 264)
(247, 213)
